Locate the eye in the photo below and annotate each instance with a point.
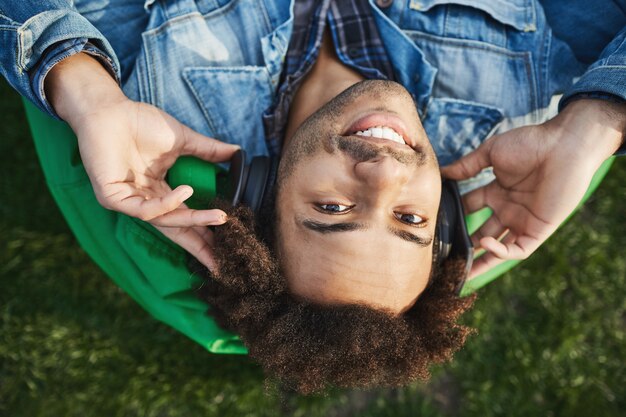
(334, 208)
(411, 219)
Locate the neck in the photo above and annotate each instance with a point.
(328, 77)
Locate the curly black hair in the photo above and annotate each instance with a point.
(309, 346)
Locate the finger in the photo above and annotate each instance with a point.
(202, 231)
(488, 260)
(483, 264)
(206, 234)
(511, 247)
(205, 147)
(493, 227)
(146, 209)
(471, 164)
(193, 242)
(185, 217)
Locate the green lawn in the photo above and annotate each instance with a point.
(551, 338)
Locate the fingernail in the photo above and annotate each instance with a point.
(220, 219)
(187, 192)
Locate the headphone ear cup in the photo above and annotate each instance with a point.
(436, 245)
(445, 223)
(451, 231)
(237, 177)
(261, 177)
(256, 181)
(272, 177)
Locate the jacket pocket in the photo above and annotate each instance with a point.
(456, 128)
(483, 51)
(212, 65)
(481, 20)
(233, 101)
(481, 73)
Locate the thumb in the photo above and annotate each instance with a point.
(471, 164)
(206, 148)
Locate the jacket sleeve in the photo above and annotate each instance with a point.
(31, 29)
(605, 76)
(605, 79)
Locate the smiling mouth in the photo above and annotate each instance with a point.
(381, 132)
(382, 127)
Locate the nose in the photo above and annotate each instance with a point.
(382, 172)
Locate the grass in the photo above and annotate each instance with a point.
(551, 335)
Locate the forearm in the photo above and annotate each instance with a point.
(31, 29)
(593, 129)
(78, 85)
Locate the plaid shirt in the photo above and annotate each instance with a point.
(357, 44)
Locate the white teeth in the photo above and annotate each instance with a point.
(382, 132)
(388, 133)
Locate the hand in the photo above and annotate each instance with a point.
(542, 173)
(127, 148)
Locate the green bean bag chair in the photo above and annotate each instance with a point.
(138, 258)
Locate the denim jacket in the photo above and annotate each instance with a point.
(474, 67)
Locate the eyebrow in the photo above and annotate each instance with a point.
(325, 228)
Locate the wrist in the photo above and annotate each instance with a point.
(595, 127)
(80, 85)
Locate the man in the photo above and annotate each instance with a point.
(379, 261)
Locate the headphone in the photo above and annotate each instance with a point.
(251, 183)
(451, 236)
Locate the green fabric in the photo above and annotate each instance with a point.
(137, 257)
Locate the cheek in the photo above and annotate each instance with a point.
(417, 262)
(427, 187)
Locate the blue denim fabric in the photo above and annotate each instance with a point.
(586, 26)
(29, 27)
(590, 29)
(474, 67)
(214, 65)
(607, 74)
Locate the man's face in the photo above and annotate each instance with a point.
(357, 203)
